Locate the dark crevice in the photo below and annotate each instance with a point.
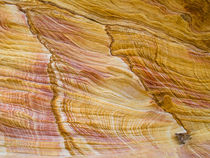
(182, 137)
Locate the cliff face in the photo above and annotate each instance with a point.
(105, 78)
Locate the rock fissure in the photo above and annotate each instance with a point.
(181, 137)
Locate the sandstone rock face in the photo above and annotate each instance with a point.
(105, 78)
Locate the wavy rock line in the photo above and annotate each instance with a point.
(98, 104)
(27, 123)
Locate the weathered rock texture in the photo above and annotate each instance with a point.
(105, 78)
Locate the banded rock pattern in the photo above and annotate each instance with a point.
(104, 78)
(28, 124)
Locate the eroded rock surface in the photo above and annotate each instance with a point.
(105, 78)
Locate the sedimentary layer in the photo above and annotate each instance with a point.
(104, 78)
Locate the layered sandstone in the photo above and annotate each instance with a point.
(111, 78)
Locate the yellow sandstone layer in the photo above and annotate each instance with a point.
(105, 78)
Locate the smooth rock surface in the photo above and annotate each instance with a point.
(105, 78)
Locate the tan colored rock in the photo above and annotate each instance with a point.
(104, 78)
